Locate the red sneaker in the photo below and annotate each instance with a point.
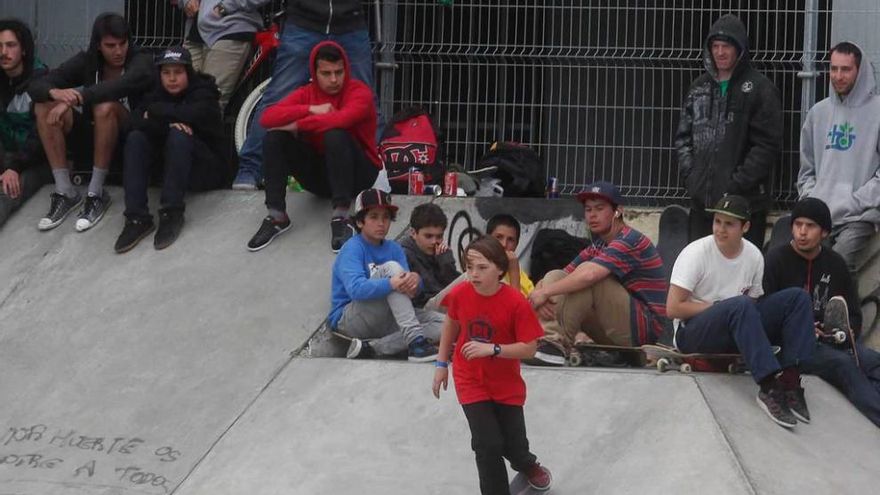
(539, 477)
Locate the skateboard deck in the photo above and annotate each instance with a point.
(673, 235)
(835, 323)
(588, 354)
(668, 358)
(520, 486)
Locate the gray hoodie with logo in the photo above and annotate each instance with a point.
(840, 151)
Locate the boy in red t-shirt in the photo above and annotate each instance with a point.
(500, 329)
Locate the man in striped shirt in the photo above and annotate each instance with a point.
(613, 292)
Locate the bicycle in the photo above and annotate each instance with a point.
(266, 42)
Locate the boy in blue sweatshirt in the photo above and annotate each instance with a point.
(372, 289)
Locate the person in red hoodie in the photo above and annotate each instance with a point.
(323, 133)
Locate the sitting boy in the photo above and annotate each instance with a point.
(506, 230)
(426, 252)
(372, 289)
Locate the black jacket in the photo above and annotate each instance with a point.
(436, 271)
(824, 277)
(327, 16)
(198, 107)
(729, 144)
(18, 134)
(84, 69)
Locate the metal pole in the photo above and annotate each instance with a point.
(386, 31)
(808, 72)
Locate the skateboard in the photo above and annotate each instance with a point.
(519, 485)
(673, 235)
(605, 355)
(780, 234)
(836, 326)
(668, 358)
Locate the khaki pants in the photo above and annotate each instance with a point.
(224, 61)
(601, 311)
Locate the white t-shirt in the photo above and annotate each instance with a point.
(710, 276)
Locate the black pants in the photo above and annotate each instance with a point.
(498, 431)
(188, 164)
(340, 174)
(701, 226)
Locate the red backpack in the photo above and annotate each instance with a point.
(409, 140)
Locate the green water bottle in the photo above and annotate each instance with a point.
(293, 185)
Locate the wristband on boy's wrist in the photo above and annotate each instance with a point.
(441, 364)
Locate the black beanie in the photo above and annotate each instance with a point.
(815, 209)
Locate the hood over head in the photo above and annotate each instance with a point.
(730, 29)
(313, 62)
(863, 88)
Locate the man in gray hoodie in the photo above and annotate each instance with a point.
(840, 152)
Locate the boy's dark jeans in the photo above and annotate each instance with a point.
(341, 173)
(838, 367)
(498, 431)
(784, 318)
(188, 164)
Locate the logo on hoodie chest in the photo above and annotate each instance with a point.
(840, 137)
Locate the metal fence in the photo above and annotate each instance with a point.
(595, 86)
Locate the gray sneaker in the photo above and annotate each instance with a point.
(59, 207)
(774, 403)
(795, 400)
(92, 211)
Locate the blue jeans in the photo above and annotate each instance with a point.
(784, 318)
(860, 386)
(291, 70)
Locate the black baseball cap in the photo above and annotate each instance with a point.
(175, 55)
(601, 190)
(733, 206)
(373, 198)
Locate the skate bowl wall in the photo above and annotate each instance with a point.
(181, 372)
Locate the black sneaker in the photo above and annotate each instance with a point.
(59, 207)
(92, 211)
(549, 354)
(360, 349)
(774, 403)
(170, 225)
(422, 351)
(794, 398)
(135, 229)
(269, 230)
(341, 230)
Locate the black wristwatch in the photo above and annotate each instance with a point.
(496, 351)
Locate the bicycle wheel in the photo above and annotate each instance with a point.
(246, 114)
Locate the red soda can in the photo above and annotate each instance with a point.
(450, 184)
(416, 182)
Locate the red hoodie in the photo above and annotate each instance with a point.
(354, 112)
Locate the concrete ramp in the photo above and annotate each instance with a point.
(178, 372)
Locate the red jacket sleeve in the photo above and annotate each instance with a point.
(356, 108)
(290, 109)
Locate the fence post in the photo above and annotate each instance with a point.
(386, 66)
(808, 72)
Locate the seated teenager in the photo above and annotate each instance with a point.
(324, 134)
(506, 230)
(373, 288)
(23, 169)
(426, 252)
(94, 92)
(180, 122)
(713, 296)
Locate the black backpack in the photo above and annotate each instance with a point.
(518, 167)
(553, 249)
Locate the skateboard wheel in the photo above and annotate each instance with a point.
(77, 180)
(731, 368)
(574, 360)
(839, 336)
(662, 365)
(685, 368)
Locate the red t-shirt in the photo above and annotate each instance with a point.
(503, 318)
